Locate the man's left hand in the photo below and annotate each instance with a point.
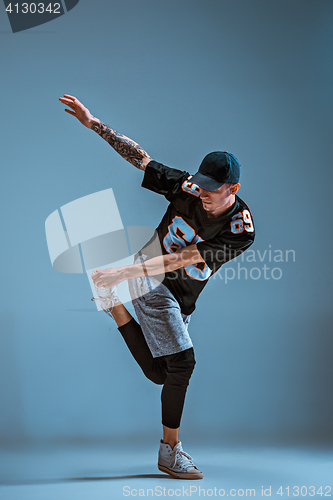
(106, 278)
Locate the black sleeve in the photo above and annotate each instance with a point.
(224, 247)
(163, 180)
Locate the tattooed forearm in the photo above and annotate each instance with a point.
(128, 149)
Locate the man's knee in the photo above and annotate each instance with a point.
(189, 360)
(174, 368)
(156, 371)
(180, 367)
(157, 378)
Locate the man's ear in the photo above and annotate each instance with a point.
(234, 188)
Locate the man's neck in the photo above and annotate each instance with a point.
(222, 210)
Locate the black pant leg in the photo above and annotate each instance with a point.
(173, 370)
(153, 368)
(179, 368)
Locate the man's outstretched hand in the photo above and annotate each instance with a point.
(78, 110)
(106, 278)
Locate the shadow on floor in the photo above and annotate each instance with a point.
(79, 479)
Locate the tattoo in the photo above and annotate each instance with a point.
(128, 149)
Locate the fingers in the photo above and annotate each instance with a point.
(67, 102)
(96, 277)
(70, 112)
(101, 283)
(71, 99)
(70, 96)
(101, 279)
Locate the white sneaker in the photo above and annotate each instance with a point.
(177, 463)
(107, 297)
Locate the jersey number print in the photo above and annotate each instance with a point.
(178, 236)
(242, 221)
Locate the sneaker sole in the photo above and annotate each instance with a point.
(181, 475)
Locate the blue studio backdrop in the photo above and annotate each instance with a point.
(182, 78)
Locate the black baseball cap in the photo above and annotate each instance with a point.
(216, 169)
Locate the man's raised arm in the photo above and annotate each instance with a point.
(128, 149)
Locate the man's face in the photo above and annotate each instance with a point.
(219, 201)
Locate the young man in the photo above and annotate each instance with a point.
(205, 226)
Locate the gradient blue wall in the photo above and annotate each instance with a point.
(182, 78)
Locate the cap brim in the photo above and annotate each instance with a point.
(205, 182)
